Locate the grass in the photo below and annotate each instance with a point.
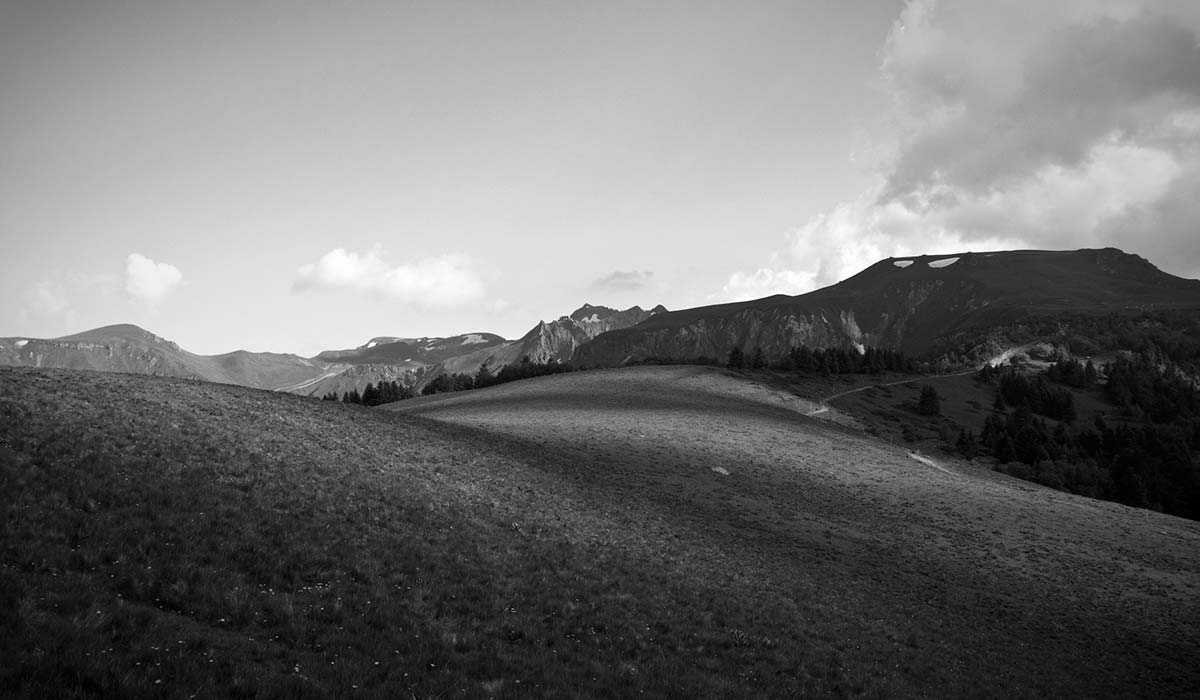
(166, 538)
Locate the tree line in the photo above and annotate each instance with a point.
(485, 377)
(373, 394)
(389, 391)
(1144, 454)
(827, 361)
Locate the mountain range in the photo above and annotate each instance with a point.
(408, 361)
(961, 308)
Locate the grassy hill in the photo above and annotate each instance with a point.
(661, 532)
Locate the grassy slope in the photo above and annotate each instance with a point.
(566, 536)
(957, 582)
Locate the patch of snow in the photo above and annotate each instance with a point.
(862, 349)
(473, 339)
(594, 318)
(902, 263)
(371, 344)
(21, 343)
(944, 262)
(721, 470)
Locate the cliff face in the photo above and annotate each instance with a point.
(559, 339)
(776, 330)
(925, 306)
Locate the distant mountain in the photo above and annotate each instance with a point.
(554, 340)
(128, 348)
(967, 304)
(412, 351)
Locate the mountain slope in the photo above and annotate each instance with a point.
(924, 305)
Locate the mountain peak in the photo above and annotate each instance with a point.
(588, 311)
(119, 331)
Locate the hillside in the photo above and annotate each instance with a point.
(650, 532)
(971, 305)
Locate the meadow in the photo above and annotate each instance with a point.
(644, 532)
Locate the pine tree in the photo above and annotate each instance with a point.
(963, 444)
(737, 359)
(484, 376)
(1007, 452)
(759, 360)
(930, 404)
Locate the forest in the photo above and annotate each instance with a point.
(1142, 453)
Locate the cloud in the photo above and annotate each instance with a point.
(47, 303)
(1079, 129)
(763, 282)
(148, 281)
(440, 282)
(620, 281)
(47, 299)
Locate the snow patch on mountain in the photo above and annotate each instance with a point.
(21, 343)
(473, 339)
(902, 263)
(944, 262)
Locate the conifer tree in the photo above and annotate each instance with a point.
(737, 359)
(930, 404)
(759, 360)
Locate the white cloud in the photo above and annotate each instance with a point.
(621, 280)
(148, 281)
(764, 282)
(440, 282)
(47, 299)
(47, 305)
(1079, 129)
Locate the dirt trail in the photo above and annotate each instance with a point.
(309, 382)
(824, 407)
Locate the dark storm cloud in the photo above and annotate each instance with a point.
(1077, 85)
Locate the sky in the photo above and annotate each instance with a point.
(298, 176)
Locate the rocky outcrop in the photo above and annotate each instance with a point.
(555, 340)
